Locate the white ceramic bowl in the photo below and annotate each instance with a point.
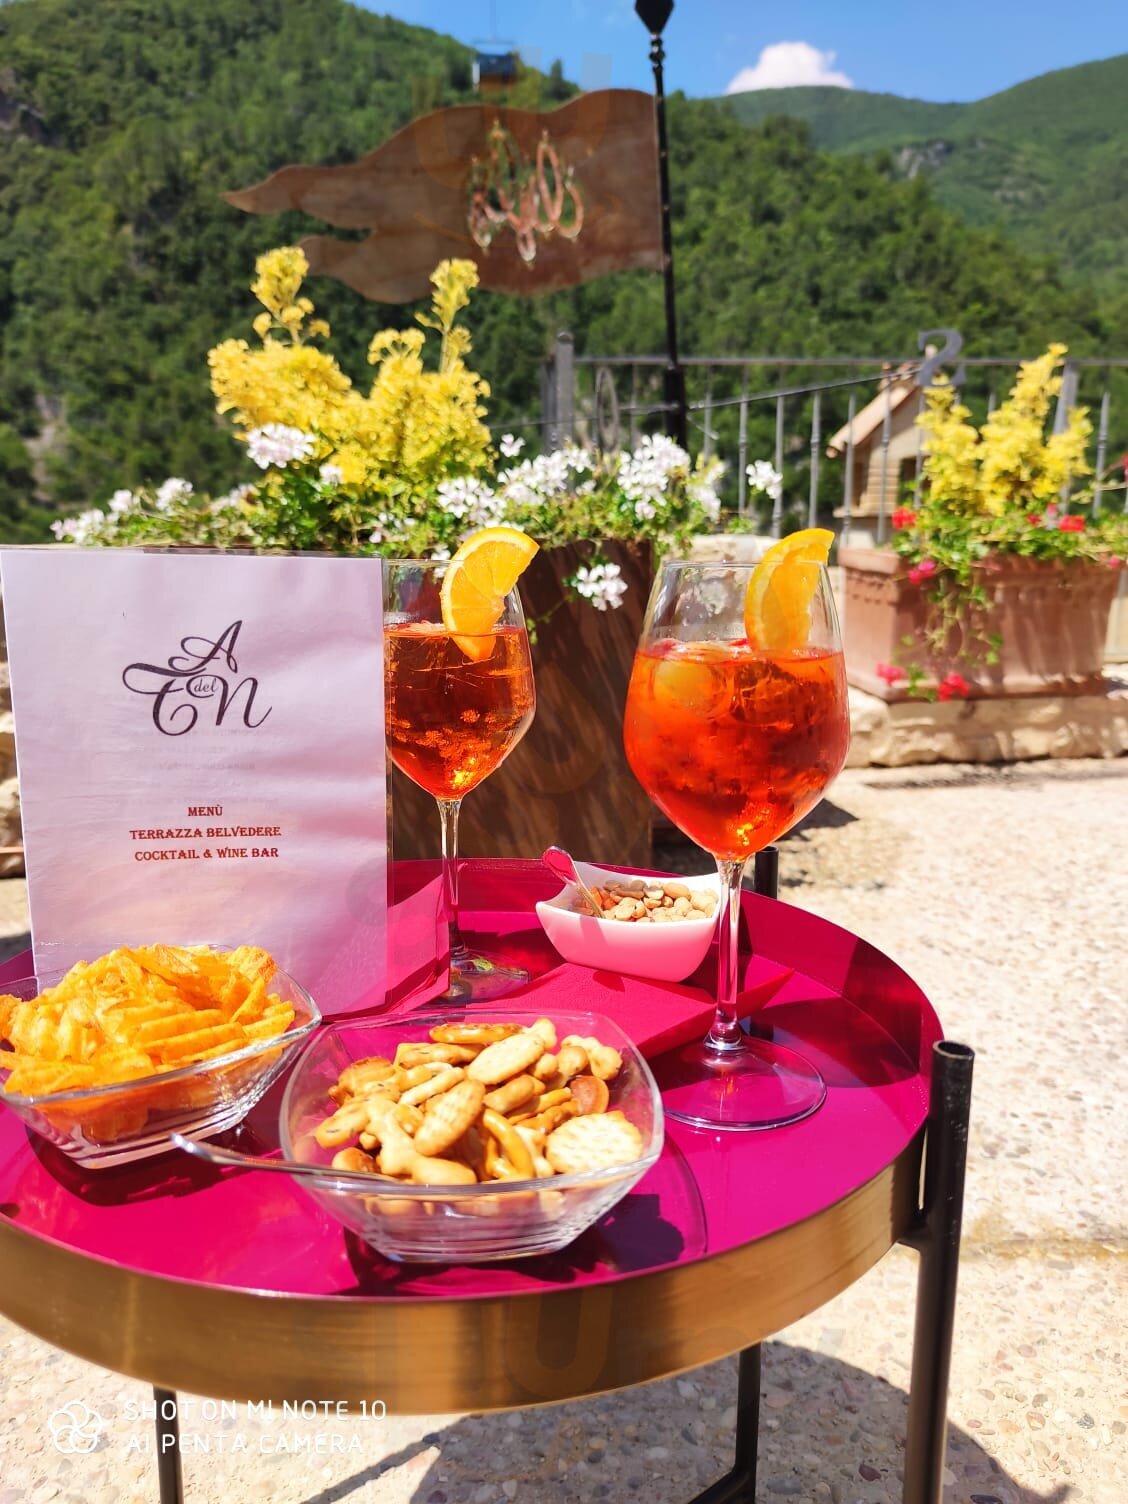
(663, 952)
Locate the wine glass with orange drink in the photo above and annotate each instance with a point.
(736, 724)
(458, 697)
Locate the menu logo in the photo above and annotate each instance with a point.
(202, 671)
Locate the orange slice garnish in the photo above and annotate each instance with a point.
(477, 580)
(777, 605)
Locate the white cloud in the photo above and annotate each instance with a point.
(786, 65)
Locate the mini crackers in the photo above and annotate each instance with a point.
(600, 1141)
(436, 1120)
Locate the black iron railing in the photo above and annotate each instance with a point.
(785, 409)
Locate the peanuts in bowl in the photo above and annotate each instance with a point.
(637, 899)
(651, 925)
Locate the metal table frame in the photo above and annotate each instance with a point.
(933, 1231)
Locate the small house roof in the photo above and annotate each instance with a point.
(896, 388)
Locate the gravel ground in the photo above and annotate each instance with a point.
(1003, 891)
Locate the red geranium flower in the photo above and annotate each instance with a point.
(1071, 525)
(1034, 519)
(953, 685)
(1115, 561)
(922, 571)
(889, 672)
(904, 517)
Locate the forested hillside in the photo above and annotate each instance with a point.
(1045, 161)
(122, 121)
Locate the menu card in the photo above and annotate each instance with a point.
(200, 746)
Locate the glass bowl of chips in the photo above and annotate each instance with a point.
(472, 1135)
(108, 1059)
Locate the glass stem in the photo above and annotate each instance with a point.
(448, 814)
(725, 1033)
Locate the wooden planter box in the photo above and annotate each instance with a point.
(1052, 616)
(568, 782)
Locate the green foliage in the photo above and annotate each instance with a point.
(1046, 161)
(121, 266)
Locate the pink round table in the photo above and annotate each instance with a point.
(236, 1285)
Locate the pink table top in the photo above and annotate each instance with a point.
(854, 1012)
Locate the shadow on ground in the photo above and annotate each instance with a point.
(828, 1432)
(11, 945)
(1001, 775)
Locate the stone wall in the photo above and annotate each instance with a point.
(1014, 729)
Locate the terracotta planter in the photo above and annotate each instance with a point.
(1052, 616)
(568, 782)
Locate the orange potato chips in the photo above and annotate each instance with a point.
(139, 1012)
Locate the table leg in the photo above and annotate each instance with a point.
(738, 1486)
(169, 1479)
(936, 1237)
(765, 872)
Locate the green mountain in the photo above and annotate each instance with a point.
(122, 121)
(1046, 161)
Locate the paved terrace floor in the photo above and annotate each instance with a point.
(1003, 891)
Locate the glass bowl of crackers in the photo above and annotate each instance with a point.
(649, 925)
(475, 1135)
(108, 1059)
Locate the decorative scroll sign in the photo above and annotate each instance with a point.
(507, 192)
(537, 201)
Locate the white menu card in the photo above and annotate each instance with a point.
(200, 747)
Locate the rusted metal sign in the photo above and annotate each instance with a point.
(537, 201)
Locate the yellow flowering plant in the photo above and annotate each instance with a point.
(413, 429)
(405, 469)
(1006, 487)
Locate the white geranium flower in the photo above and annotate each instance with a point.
(548, 473)
(385, 528)
(232, 498)
(660, 451)
(80, 529)
(278, 444)
(121, 502)
(763, 476)
(510, 446)
(516, 492)
(602, 585)
(330, 475)
(645, 474)
(576, 457)
(171, 491)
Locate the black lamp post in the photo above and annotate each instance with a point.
(654, 14)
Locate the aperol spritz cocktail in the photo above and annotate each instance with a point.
(451, 719)
(733, 743)
(458, 697)
(736, 723)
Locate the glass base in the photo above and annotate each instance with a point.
(751, 1085)
(477, 978)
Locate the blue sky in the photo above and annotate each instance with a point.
(960, 49)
